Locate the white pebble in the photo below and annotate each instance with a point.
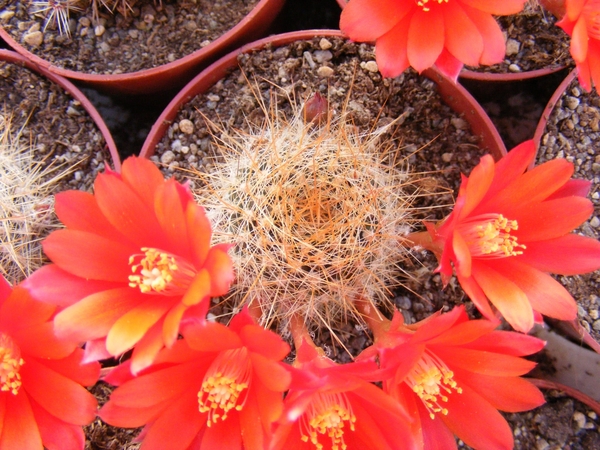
(325, 71)
(370, 66)
(167, 157)
(512, 47)
(579, 418)
(325, 44)
(34, 39)
(99, 30)
(514, 68)
(186, 126)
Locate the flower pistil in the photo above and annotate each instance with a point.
(489, 235)
(160, 272)
(10, 364)
(224, 383)
(327, 415)
(431, 380)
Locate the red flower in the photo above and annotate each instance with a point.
(453, 374)
(331, 406)
(421, 33)
(132, 260)
(582, 23)
(42, 401)
(509, 229)
(221, 387)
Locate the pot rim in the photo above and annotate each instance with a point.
(578, 395)
(468, 74)
(260, 16)
(73, 91)
(455, 95)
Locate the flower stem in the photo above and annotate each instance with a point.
(378, 324)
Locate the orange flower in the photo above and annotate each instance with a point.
(509, 229)
(582, 23)
(42, 401)
(421, 33)
(331, 406)
(132, 260)
(220, 387)
(453, 374)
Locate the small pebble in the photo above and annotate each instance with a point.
(371, 66)
(34, 39)
(325, 44)
(514, 68)
(512, 47)
(167, 157)
(99, 30)
(595, 222)
(447, 157)
(325, 71)
(6, 15)
(579, 418)
(596, 325)
(186, 126)
(571, 102)
(459, 124)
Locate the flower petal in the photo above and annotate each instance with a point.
(550, 219)
(57, 394)
(147, 348)
(579, 41)
(171, 216)
(477, 296)
(220, 266)
(224, 435)
(19, 431)
(545, 294)
(391, 50)
(88, 255)
(511, 166)
(56, 434)
(271, 374)
(484, 362)
(567, 255)
(425, 38)
(477, 185)
(367, 20)
(497, 7)
(92, 317)
(200, 232)
(462, 37)
(143, 177)
(211, 337)
(494, 48)
(131, 326)
(264, 342)
(463, 260)
(119, 416)
(75, 369)
(506, 296)
(508, 343)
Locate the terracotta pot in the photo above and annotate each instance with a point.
(574, 393)
(453, 94)
(73, 91)
(174, 74)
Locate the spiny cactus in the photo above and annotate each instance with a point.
(317, 214)
(26, 203)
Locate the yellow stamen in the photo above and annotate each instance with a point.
(489, 235)
(160, 272)
(431, 380)
(226, 379)
(327, 415)
(10, 364)
(424, 3)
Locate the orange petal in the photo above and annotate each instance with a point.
(119, 416)
(56, 434)
(143, 177)
(463, 261)
(462, 37)
(220, 267)
(171, 216)
(125, 210)
(199, 288)
(507, 343)
(92, 317)
(425, 38)
(486, 363)
(574, 8)
(391, 50)
(170, 328)
(19, 431)
(19, 311)
(476, 422)
(506, 296)
(200, 232)
(478, 184)
(512, 166)
(73, 368)
(545, 294)
(464, 332)
(476, 294)
(211, 337)
(147, 348)
(551, 219)
(272, 375)
(509, 394)
(264, 342)
(57, 394)
(88, 255)
(593, 60)
(567, 255)
(579, 41)
(494, 48)
(133, 325)
(367, 20)
(497, 7)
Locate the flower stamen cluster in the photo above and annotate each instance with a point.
(223, 384)
(431, 379)
(424, 4)
(489, 235)
(159, 272)
(327, 415)
(10, 364)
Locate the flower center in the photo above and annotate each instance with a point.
(10, 364)
(160, 272)
(489, 235)
(227, 378)
(426, 4)
(327, 415)
(431, 380)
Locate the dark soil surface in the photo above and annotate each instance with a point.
(148, 35)
(533, 42)
(573, 132)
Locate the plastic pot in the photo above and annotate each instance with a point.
(453, 94)
(73, 91)
(171, 75)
